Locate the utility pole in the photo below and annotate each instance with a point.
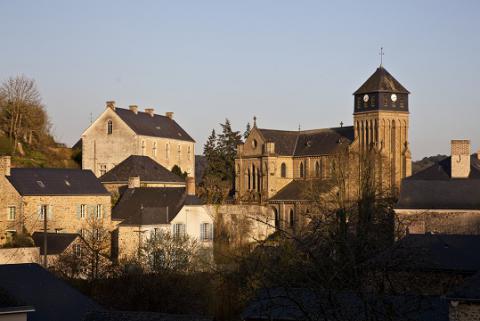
(45, 237)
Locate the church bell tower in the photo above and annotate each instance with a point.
(381, 118)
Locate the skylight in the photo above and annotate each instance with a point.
(41, 184)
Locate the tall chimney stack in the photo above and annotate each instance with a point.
(169, 114)
(134, 182)
(110, 104)
(190, 186)
(5, 165)
(460, 161)
(150, 111)
(133, 108)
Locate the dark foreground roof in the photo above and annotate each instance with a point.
(308, 304)
(433, 252)
(381, 81)
(297, 190)
(158, 126)
(308, 142)
(141, 316)
(57, 243)
(55, 181)
(433, 188)
(468, 291)
(53, 299)
(143, 166)
(151, 205)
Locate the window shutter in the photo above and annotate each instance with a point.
(182, 230)
(50, 211)
(202, 231)
(79, 211)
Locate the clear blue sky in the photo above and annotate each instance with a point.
(287, 62)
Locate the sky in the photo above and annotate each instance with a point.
(289, 63)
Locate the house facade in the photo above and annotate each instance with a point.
(67, 198)
(119, 133)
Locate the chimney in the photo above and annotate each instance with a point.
(460, 161)
(169, 114)
(133, 108)
(190, 186)
(110, 104)
(5, 165)
(134, 182)
(150, 111)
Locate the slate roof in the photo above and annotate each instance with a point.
(141, 316)
(296, 190)
(308, 142)
(433, 188)
(158, 126)
(8, 304)
(55, 181)
(160, 205)
(53, 299)
(57, 243)
(308, 304)
(468, 291)
(381, 81)
(143, 166)
(433, 252)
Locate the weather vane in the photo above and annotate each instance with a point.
(381, 56)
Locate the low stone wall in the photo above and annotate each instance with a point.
(20, 255)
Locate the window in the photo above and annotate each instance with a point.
(179, 230)
(317, 169)
(277, 218)
(11, 213)
(98, 211)
(109, 127)
(154, 149)
(189, 153)
(283, 170)
(143, 147)
(206, 232)
(291, 218)
(302, 170)
(43, 212)
(179, 151)
(103, 169)
(167, 151)
(77, 250)
(83, 210)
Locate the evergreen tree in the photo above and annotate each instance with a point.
(227, 145)
(247, 131)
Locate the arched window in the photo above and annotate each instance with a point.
(109, 127)
(154, 149)
(317, 169)
(143, 147)
(302, 170)
(189, 152)
(254, 185)
(283, 170)
(179, 152)
(249, 180)
(277, 218)
(291, 218)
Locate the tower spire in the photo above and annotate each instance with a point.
(381, 56)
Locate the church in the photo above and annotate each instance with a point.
(273, 165)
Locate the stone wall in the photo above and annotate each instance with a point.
(9, 197)
(438, 221)
(20, 255)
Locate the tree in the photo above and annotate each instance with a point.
(22, 114)
(178, 171)
(247, 132)
(228, 141)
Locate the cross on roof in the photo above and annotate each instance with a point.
(381, 56)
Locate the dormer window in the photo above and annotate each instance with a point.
(109, 127)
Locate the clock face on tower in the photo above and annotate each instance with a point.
(365, 98)
(393, 97)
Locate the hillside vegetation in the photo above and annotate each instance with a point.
(25, 128)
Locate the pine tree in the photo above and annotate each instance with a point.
(247, 131)
(228, 141)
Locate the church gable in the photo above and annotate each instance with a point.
(254, 144)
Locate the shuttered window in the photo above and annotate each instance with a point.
(179, 230)
(206, 232)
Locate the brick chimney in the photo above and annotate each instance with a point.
(169, 114)
(110, 104)
(134, 182)
(133, 108)
(150, 111)
(190, 186)
(460, 161)
(5, 165)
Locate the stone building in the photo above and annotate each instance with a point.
(149, 172)
(67, 198)
(271, 164)
(58, 244)
(145, 211)
(118, 133)
(443, 198)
